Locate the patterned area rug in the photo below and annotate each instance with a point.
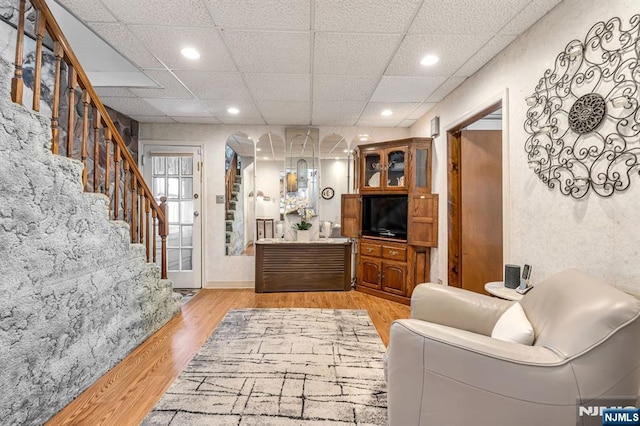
(282, 367)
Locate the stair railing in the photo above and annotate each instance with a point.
(111, 171)
(230, 180)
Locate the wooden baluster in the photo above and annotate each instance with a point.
(37, 72)
(58, 52)
(134, 200)
(96, 150)
(107, 167)
(141, 212)
(154, 215)
(125, 194)
(148, 226)
(71, 123)
(86, 100)
(163, 231)
(116, 179)
(16, 81)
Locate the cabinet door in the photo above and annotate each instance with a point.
(372, 169)
(423, 220)
(396, 162)
(369, 272)
(350, 215)
(394, 278)
(420, 167)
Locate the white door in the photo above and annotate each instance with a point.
(175, 172)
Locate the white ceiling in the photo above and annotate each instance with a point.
(299, 62)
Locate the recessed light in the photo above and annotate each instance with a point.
(386, 113)
(233, 110)
(429, 60)
(345, 150)
(190, 52)
(265, 158)
(258, 149)
(363, 138)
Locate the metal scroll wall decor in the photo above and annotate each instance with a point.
(583, 119)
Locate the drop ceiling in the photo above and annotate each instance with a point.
(298, 62)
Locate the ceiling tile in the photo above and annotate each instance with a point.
(407, 123)
(119, 36)
(171, 87)
(88, 10)
(528, 16)
(453, 50)
(119, 92)
(219, 108)
(420, 111)
(405, 89)
(131, 106)
(279, 87)
(290, 15)
(465, 16)
(177, 12)
(350, 54)
(285, 112)
(180, 107)
(154, 119)
(214, 85)
(445, 89)
(378, 123)
(166, 42)
(366, 16)
(341, 87)
(400, 110)
(241, 120)
(270, 52)
(488, 51)
(330, 112)
(198, 120)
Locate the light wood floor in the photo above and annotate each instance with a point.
(128, 391)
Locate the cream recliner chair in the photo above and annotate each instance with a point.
(444, 369)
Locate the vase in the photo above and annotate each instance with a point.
(303, 235)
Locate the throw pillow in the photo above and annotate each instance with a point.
(513, 326)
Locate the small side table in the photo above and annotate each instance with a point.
(498, 289)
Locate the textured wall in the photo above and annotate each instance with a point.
(546, 229)
(76, 296)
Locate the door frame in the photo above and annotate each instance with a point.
(177, 145)
(452, 129)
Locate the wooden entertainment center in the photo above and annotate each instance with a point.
(394, 217)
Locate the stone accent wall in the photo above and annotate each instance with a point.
(77, 297)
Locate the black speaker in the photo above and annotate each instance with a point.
(511, 276)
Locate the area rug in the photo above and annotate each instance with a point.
(282, 367)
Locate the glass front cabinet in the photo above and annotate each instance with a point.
(394, 249)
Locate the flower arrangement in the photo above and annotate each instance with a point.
(303, 225)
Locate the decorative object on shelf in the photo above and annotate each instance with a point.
(582, 117)
(374, 180)
(303, 235)
(328, 193)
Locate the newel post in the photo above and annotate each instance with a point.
(163, 230)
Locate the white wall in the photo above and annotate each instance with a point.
(546, 229)
(333, 174)
(220, 270)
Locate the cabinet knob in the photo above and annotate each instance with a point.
(369, 250)
(393, 252)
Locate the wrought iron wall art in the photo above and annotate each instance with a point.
(583, 119)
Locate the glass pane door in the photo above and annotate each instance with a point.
(395, 167)
(372, 169)
(175, 175)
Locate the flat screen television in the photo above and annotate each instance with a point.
(385, 216)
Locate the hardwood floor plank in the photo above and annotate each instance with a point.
(126, 393)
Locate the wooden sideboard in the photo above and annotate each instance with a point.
(303, 266)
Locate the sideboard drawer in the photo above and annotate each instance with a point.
(368, 249)
(395, 253)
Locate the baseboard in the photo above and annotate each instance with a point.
(230, 284)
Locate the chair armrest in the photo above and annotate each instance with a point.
(457, 308)
(438, 369)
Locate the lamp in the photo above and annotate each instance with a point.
(531, 101)
(621, 102)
